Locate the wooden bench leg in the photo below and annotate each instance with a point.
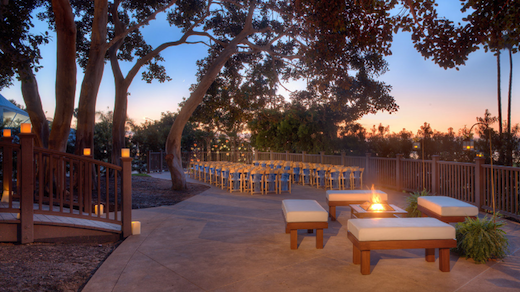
(356, 256)
(365, 262)
(332, 213)
(287, 230)
(294, 238)
(319, 238)
(444, 259)
(430, 255)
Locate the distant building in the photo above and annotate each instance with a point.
(8, 111)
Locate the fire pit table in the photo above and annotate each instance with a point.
(359, 212)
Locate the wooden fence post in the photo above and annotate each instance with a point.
(435, 174)
(398, 178)
(342, 158)
(368, 172)
(286, 155)
(321, 156)
(148, 162)
(271, 155)
(479, 182)
(161, 161)
(27, 187)
(87, 174)
(7, 167)
(303, 156)
(126, 196)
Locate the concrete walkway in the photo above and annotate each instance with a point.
(218, 241)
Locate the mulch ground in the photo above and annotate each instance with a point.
(68, 267)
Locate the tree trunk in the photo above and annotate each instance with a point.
(499, 94)
(173, 142)
(92, 79)
(509, 91)
(119, 121)
(33, 103)
(510, 143)
(65, 74)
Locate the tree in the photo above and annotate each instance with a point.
(300, 42)
(152, 135)
(20, 55)
(81, 31)
(492, 24)
(128, 48)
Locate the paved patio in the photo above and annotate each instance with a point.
(217, 241)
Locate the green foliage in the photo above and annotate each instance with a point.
(412, 203)
(151, 135)
(141, 174)
(481, 240)
(103, 136)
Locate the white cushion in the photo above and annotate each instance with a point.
(379, 229)
(447, 206)
(354, 195)
(304, 211)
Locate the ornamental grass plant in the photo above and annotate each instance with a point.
(481, 239)
(411, 208)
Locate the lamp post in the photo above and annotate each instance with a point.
(468, 145)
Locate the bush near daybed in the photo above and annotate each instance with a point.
(481, 240)
(412, 203)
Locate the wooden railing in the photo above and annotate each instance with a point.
(42, 181)
(469, 182)
(505, 182)
(381, 171)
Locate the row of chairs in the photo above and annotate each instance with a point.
(319, 175)
(242, 178)
(265, 177)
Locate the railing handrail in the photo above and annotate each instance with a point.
(455, 163)
(79, 158)
(44, 181)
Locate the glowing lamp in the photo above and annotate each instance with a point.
(136, 227)
(98, 209)
(125, 152)
(480, 154)
(86, 151)
(416, 145)
(25, 128)
(7, 132)
(195, 145)
(468, 145)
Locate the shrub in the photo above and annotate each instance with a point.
(412, 203)
(481, 240)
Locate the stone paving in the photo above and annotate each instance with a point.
(221, 241)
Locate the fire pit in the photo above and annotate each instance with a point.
(382, 206)
(375, 208)
(359, 212)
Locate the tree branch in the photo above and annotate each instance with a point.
(142, 23)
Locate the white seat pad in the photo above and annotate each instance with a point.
(304, 211)
(380, 229)
(447, 206)
(354, 195)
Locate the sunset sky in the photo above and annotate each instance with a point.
(423, 91)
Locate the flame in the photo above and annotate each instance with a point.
(376, 207)
(376, 201)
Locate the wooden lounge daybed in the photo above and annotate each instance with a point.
(446, 209)
(348, 197)
(304, 214)
(401, 233)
